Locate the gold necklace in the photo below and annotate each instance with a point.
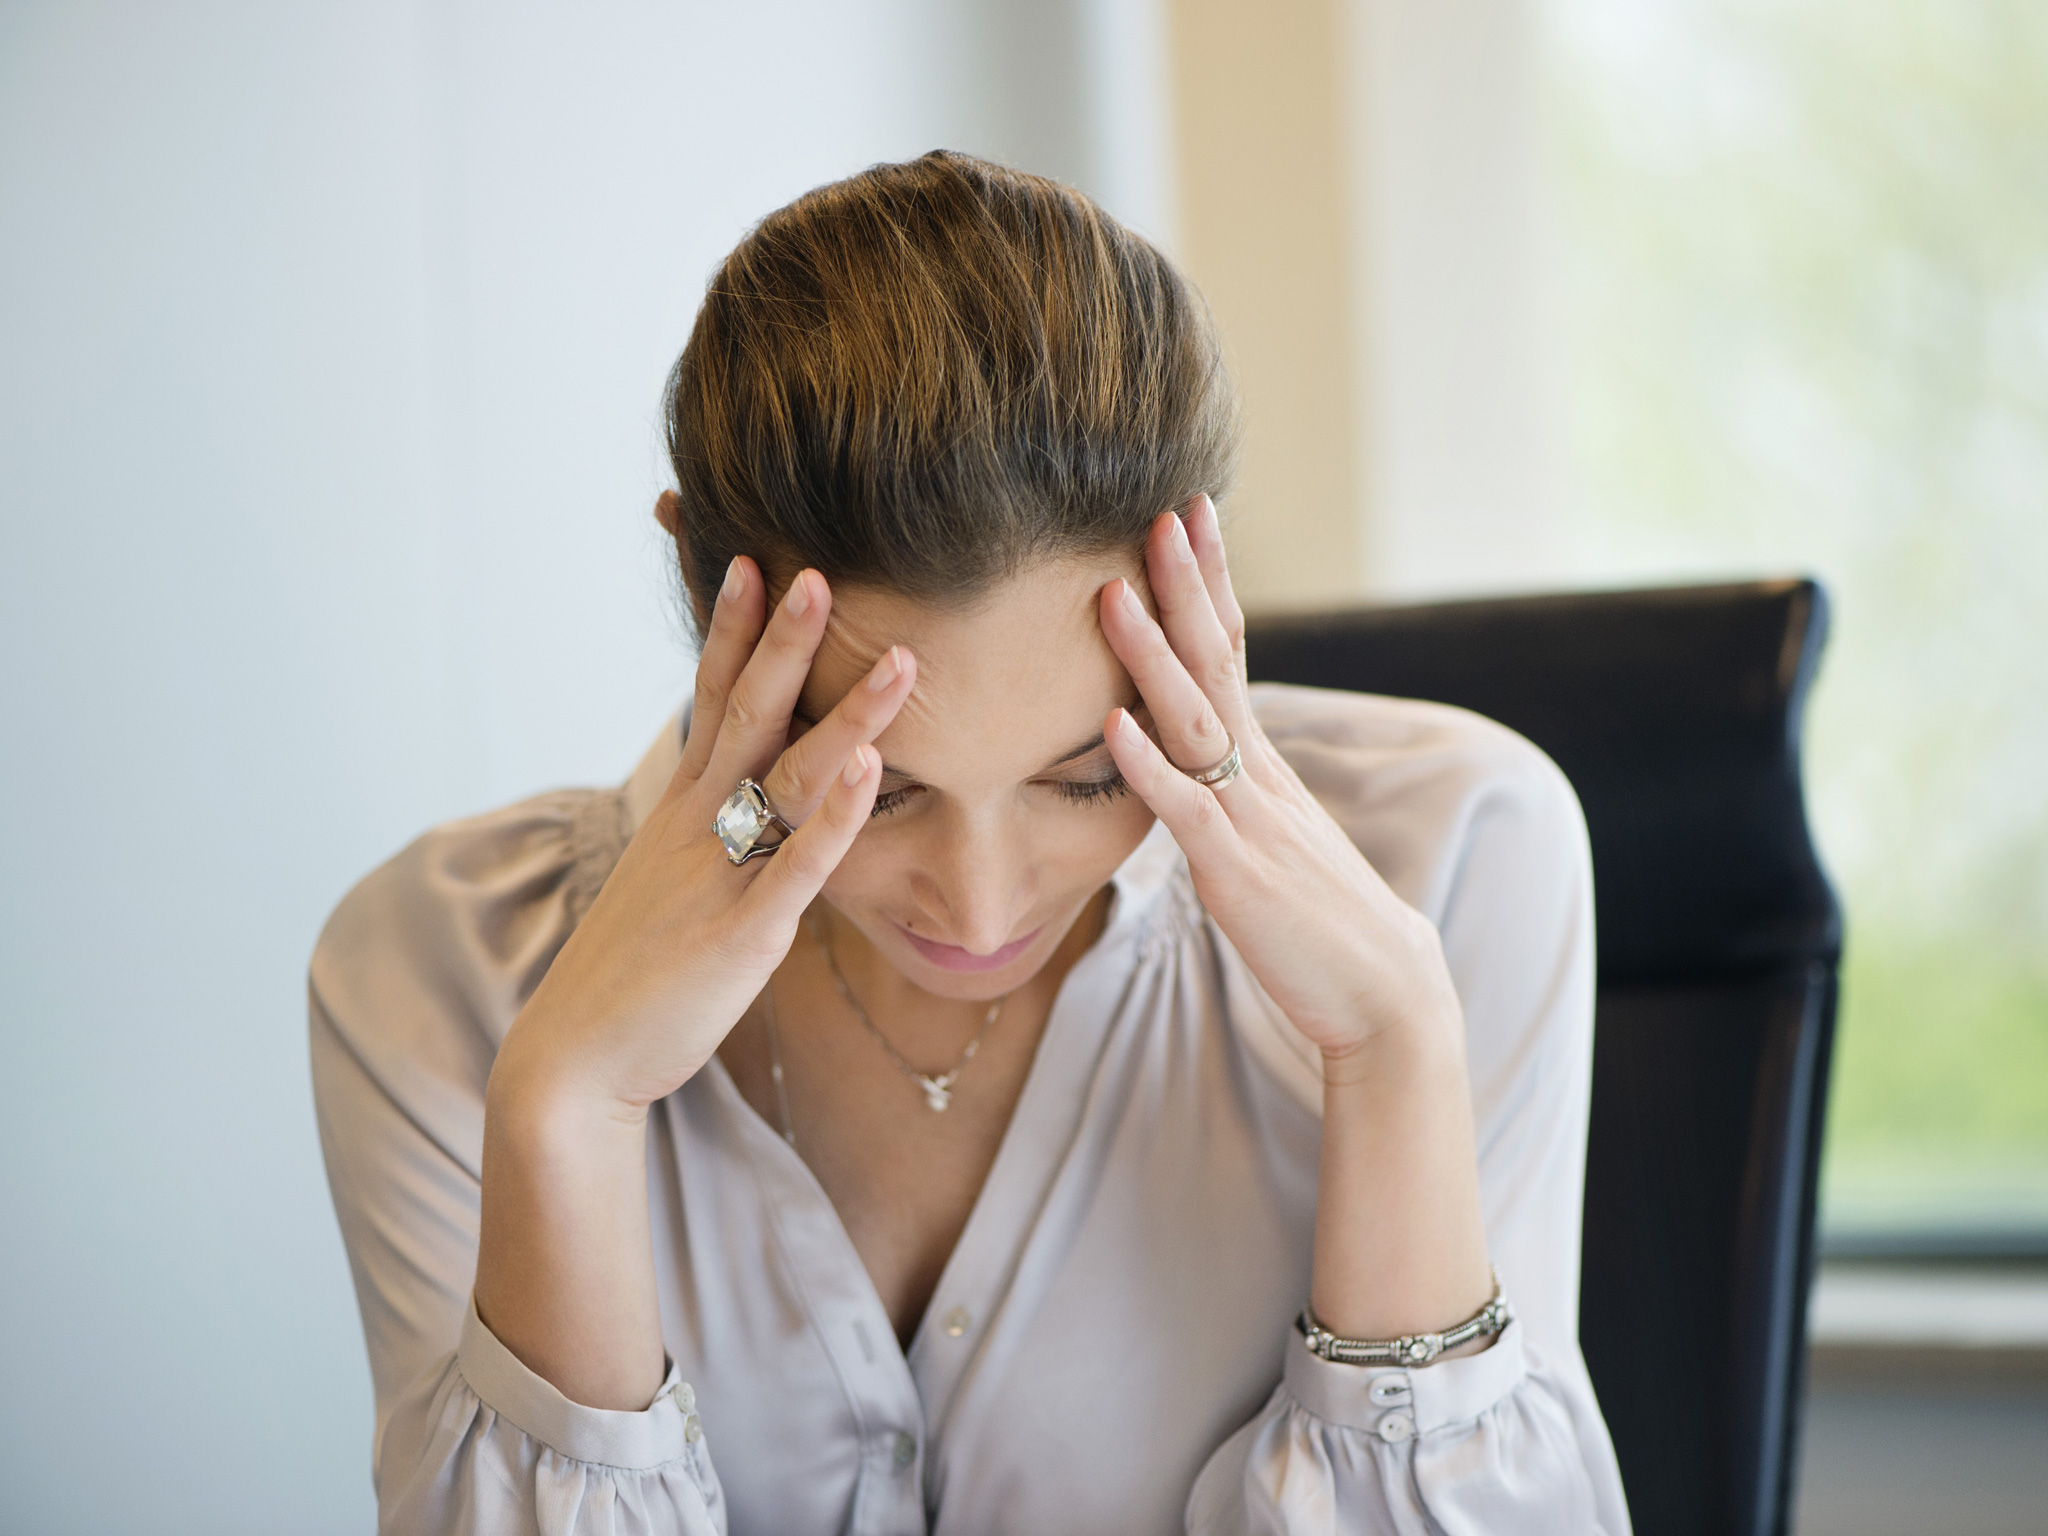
(938, 1088)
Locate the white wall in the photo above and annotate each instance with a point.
(1461, 478)
(331, 338)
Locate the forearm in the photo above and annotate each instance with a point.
(565, 1266)
(1400, 1243)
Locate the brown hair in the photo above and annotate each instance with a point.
(930, 374)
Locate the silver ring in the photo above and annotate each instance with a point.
(1222, 773)
(740, 822)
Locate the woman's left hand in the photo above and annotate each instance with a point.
(1344, 957)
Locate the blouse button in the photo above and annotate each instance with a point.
(955, 1322)
(1396, 1427)
(686, 1396)
(1389, 1390)
(692, 1430)
(906, 1449)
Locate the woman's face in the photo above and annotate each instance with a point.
(1001, 812)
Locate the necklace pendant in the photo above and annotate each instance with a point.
(937, 1094)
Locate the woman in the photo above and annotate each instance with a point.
(940, 1077)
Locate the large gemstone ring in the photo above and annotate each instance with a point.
(741, 821)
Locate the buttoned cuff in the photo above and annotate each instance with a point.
(1397, 1402)
(633, 1442)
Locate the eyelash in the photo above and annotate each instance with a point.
(1093, 792)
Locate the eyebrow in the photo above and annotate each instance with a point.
(1097, 740)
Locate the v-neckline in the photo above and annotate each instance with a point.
(768, 1141)
(976, 1275)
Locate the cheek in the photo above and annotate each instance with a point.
(1076, 848)
(1123, 828)
(873, 867)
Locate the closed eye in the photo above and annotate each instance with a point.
(1092, 791)
(1074, 792)
(893, 800)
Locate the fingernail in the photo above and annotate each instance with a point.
(1126, 727)
(1131, 604)
(1181, 547)
(886, 671)
(856, 768)
(735, 579)
(799, 599)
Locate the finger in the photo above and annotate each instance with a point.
(1205, 536)
(802, 776)
(757, 710)
(736, 618)
(1190, 622)
(807, 857)
(1190, 730)
(1192, 812)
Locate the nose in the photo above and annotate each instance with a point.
(975, 882)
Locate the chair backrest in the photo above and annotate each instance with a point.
(1676, 714)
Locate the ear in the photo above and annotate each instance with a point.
(668, 511)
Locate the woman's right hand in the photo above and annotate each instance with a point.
(680, 941)
(673, 950)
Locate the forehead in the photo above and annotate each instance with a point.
(1018, 678)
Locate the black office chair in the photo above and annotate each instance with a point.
(1676, 715)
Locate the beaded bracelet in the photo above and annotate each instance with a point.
(1411, 1349)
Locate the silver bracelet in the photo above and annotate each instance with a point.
(1414, 1348)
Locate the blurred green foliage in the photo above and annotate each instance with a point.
(1804, 248)
(1941, 1088)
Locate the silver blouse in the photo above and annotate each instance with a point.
(1110, 1348)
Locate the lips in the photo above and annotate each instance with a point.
(952, 957)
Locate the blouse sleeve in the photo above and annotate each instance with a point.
(1480, 831)
(414, 982)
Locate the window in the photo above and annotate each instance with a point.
(1803, 252)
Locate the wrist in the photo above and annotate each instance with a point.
(1409, 1056)
(529, 1105)
(555, 1067)
(1400, 1242)
(564, 1274)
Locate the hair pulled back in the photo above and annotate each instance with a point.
(930, 375)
